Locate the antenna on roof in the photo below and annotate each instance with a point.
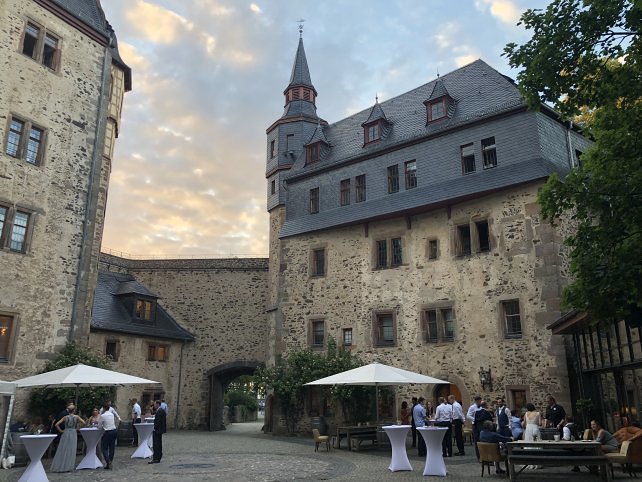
(437, 72)
(301, 22)
(376, 97)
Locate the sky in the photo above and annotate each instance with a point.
(188, 173)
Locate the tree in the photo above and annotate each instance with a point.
(584, 58)
(46, 401)
(290, 373)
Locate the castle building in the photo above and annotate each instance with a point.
(61, 93)
(410, 233)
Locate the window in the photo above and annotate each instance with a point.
(272, 149)
(578, 159)
(372, 133)
(143, 310)
(345, 192)
(289, 142)
(42, 46)
(14, 227)
(25, 140)
(306, 94)
(468, 158)
(512, 320)
(318, 262)
(157, 353)
(6, 332)
(313, 153)
(360, 188)
(439, 325)
(112, 349)
(436, 110)
(483, 238)
(389, 253)
(347, 337)
(433, 249)
(318, 332)
(314, 200)
(384, 329)
(489, 153)
(411, 174)
(462, 241)
(393, 179)
(273, 187)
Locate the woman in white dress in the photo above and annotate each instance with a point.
(531, 423)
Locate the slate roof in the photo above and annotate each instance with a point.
(376, 113)
(478, 91)
(110, 314)
(423, 197)
(317, 136)
(439, 90)
(300, 72)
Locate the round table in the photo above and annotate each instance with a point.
(397, 435)
(144, 434)
(434, 461)
(36, 446)
(91, 436)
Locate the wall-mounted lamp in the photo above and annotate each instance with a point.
(485, 378)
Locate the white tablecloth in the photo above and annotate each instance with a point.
(434, 461)
(36, 446)
(397, 435)
(144, 434)
(91, 436)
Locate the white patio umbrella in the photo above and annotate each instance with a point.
(377, 374)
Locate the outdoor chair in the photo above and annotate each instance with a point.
(320, 439)
(489, 454)
(468, 433)
(630, 453)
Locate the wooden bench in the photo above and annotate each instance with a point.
(548, 460)
(357, 438)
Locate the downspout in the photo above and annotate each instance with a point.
(178, 392)
(85, 251)
(569, 144)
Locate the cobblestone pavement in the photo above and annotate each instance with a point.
(243, 453)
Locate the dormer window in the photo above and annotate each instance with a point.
(313, 153)
(437, 110)
(372, 133)
(144, 310)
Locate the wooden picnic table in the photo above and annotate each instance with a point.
(348, 431)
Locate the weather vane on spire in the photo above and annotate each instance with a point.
(301, 22)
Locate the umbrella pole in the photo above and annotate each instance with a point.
(377, 403)
(76, 404)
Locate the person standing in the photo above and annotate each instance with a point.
(458, 423)
(531, 423)
(404, 413)
(470, 416)
(515, 425)
(443, 418)
(413, 428)
(108, 421)
(160, 427)
(136, 414)
(503, 418)
(419, 418)
(481, 415)
(65, 458)
(555, 415)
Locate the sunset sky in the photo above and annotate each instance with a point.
(188, 172)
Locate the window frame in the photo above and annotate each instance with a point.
(22, 146)
(344, 332)
(360, 188)
(440, 323)
(8, 227)
(39, 53)
(317, 263)
(153, 350)
(378, 329)
(511, 334)
(152, 309)
(344, 192)
(272, 149)
(489, 152)
(410, 175)
(391, 249)
(466, 159)
(116, 346)
(273, 187)
(429, 110)
(393, 178)
(11, 329)
(314, 333)
(371, 133)
(313, 205)
(313, 153)
(429, 250)
(480, 240)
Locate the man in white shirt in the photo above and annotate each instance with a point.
(136, 414)
(108, 441)
(470, 416)
(419, 417)
(458, 423)
(443, 418)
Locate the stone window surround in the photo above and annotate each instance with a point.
(116, 343)
(5, 233)
(436, 305)
(474, 236)
(312, 319)
(501, 319)
(343, 338)
(312, 261)
(388, 237)
(510, 389)
(24, 139)
(376, 314)
(13, 335)
(39, 47)
(153, 349)
(438, 250)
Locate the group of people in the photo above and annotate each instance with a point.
(68, 423)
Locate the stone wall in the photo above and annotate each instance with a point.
(523, 264)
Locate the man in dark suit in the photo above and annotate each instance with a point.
(160, 427)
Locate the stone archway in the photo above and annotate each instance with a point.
(219, 378)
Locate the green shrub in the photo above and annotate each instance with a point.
(235, 398)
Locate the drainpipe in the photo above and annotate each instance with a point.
(569, 144)
(92, 192)
(180, 382)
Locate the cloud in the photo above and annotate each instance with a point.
(255, 8)
(505, 10)
(156, 23)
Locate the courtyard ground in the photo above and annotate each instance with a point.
(244, 453)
